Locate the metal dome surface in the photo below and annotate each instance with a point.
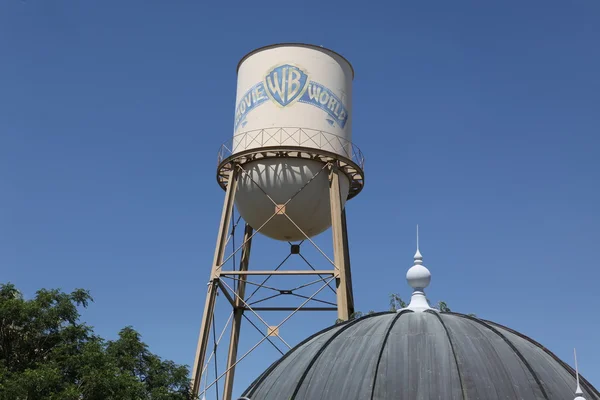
(418, 356)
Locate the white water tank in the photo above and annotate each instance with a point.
(292, 96)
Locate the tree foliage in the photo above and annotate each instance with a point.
(46, 353)
(396, 302)
(443, 307)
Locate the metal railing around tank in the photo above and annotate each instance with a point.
(294, 137)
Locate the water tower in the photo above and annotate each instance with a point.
(288, 170)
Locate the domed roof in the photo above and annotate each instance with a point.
(418, 356)
(420, 353)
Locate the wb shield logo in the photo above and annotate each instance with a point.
(285, 84)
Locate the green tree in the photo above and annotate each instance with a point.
(443, 307)
(46, 353)
(396, 302)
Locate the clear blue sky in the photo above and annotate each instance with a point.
(479, 121)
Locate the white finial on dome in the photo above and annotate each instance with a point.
(578, 391)
(418, 277)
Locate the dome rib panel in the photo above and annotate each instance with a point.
(387, 334)
(462, 387)
(512, 346)
(417, 362)
(346, 366)
(314, 359)
(268, 379)
(550, 376)
(491, 369)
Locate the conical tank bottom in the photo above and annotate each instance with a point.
(281, 179)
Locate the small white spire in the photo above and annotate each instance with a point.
(418, 256)
(578, 391)
(418, 277)
(417, 237)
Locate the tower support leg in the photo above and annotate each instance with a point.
(237, 315)
(347, 264)
(214, 281)
(340, 248)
